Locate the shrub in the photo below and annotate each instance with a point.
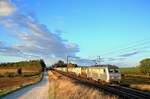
(19, 71)
(145, 66)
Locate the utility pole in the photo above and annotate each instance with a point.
(67, 62)
(95, 63)
(67, 59)
(98, 60)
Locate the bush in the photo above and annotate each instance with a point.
(19, 71)
(145, 66)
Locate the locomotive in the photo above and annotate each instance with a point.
(107, 74)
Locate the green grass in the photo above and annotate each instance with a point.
(130, 70)
(132, 76)
(135, 80)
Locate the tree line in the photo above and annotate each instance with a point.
(24, 63)
(30, 67)
(61, 63)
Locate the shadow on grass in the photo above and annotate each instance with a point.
(88, 85)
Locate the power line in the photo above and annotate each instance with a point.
(135, 46)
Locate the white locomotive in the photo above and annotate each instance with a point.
(108, 74)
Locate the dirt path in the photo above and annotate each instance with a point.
(37, 91)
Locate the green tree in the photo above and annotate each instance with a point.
(145, 66)
(19, 71)
(42, 64)
(60, 63)
(72, 65)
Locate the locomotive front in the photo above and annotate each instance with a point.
(114, 74)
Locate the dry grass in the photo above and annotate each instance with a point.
(3, 71)
(64, 88)
(143, 87)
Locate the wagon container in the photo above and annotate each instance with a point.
(98, 73)
(77, 71)
(84, 71)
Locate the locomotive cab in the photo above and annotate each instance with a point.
(114, 75)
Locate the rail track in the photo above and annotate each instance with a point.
(122, 92)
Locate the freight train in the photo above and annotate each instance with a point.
(105, 74)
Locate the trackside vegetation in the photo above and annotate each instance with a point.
(130, 70)
(142, 69)
(137, 77)
(145, 66)
(61, 63)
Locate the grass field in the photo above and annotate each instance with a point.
(9, 84)
(140, 83)
(130, 70)
(135, 79)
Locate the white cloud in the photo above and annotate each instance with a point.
(6, 8)
(37, 39)
(34, 39)
(6, 50)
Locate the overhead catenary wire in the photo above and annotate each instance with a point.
(139, 46)
(132, 47)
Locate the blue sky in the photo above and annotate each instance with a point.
(80, 28)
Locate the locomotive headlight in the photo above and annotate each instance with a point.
(119, 77)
